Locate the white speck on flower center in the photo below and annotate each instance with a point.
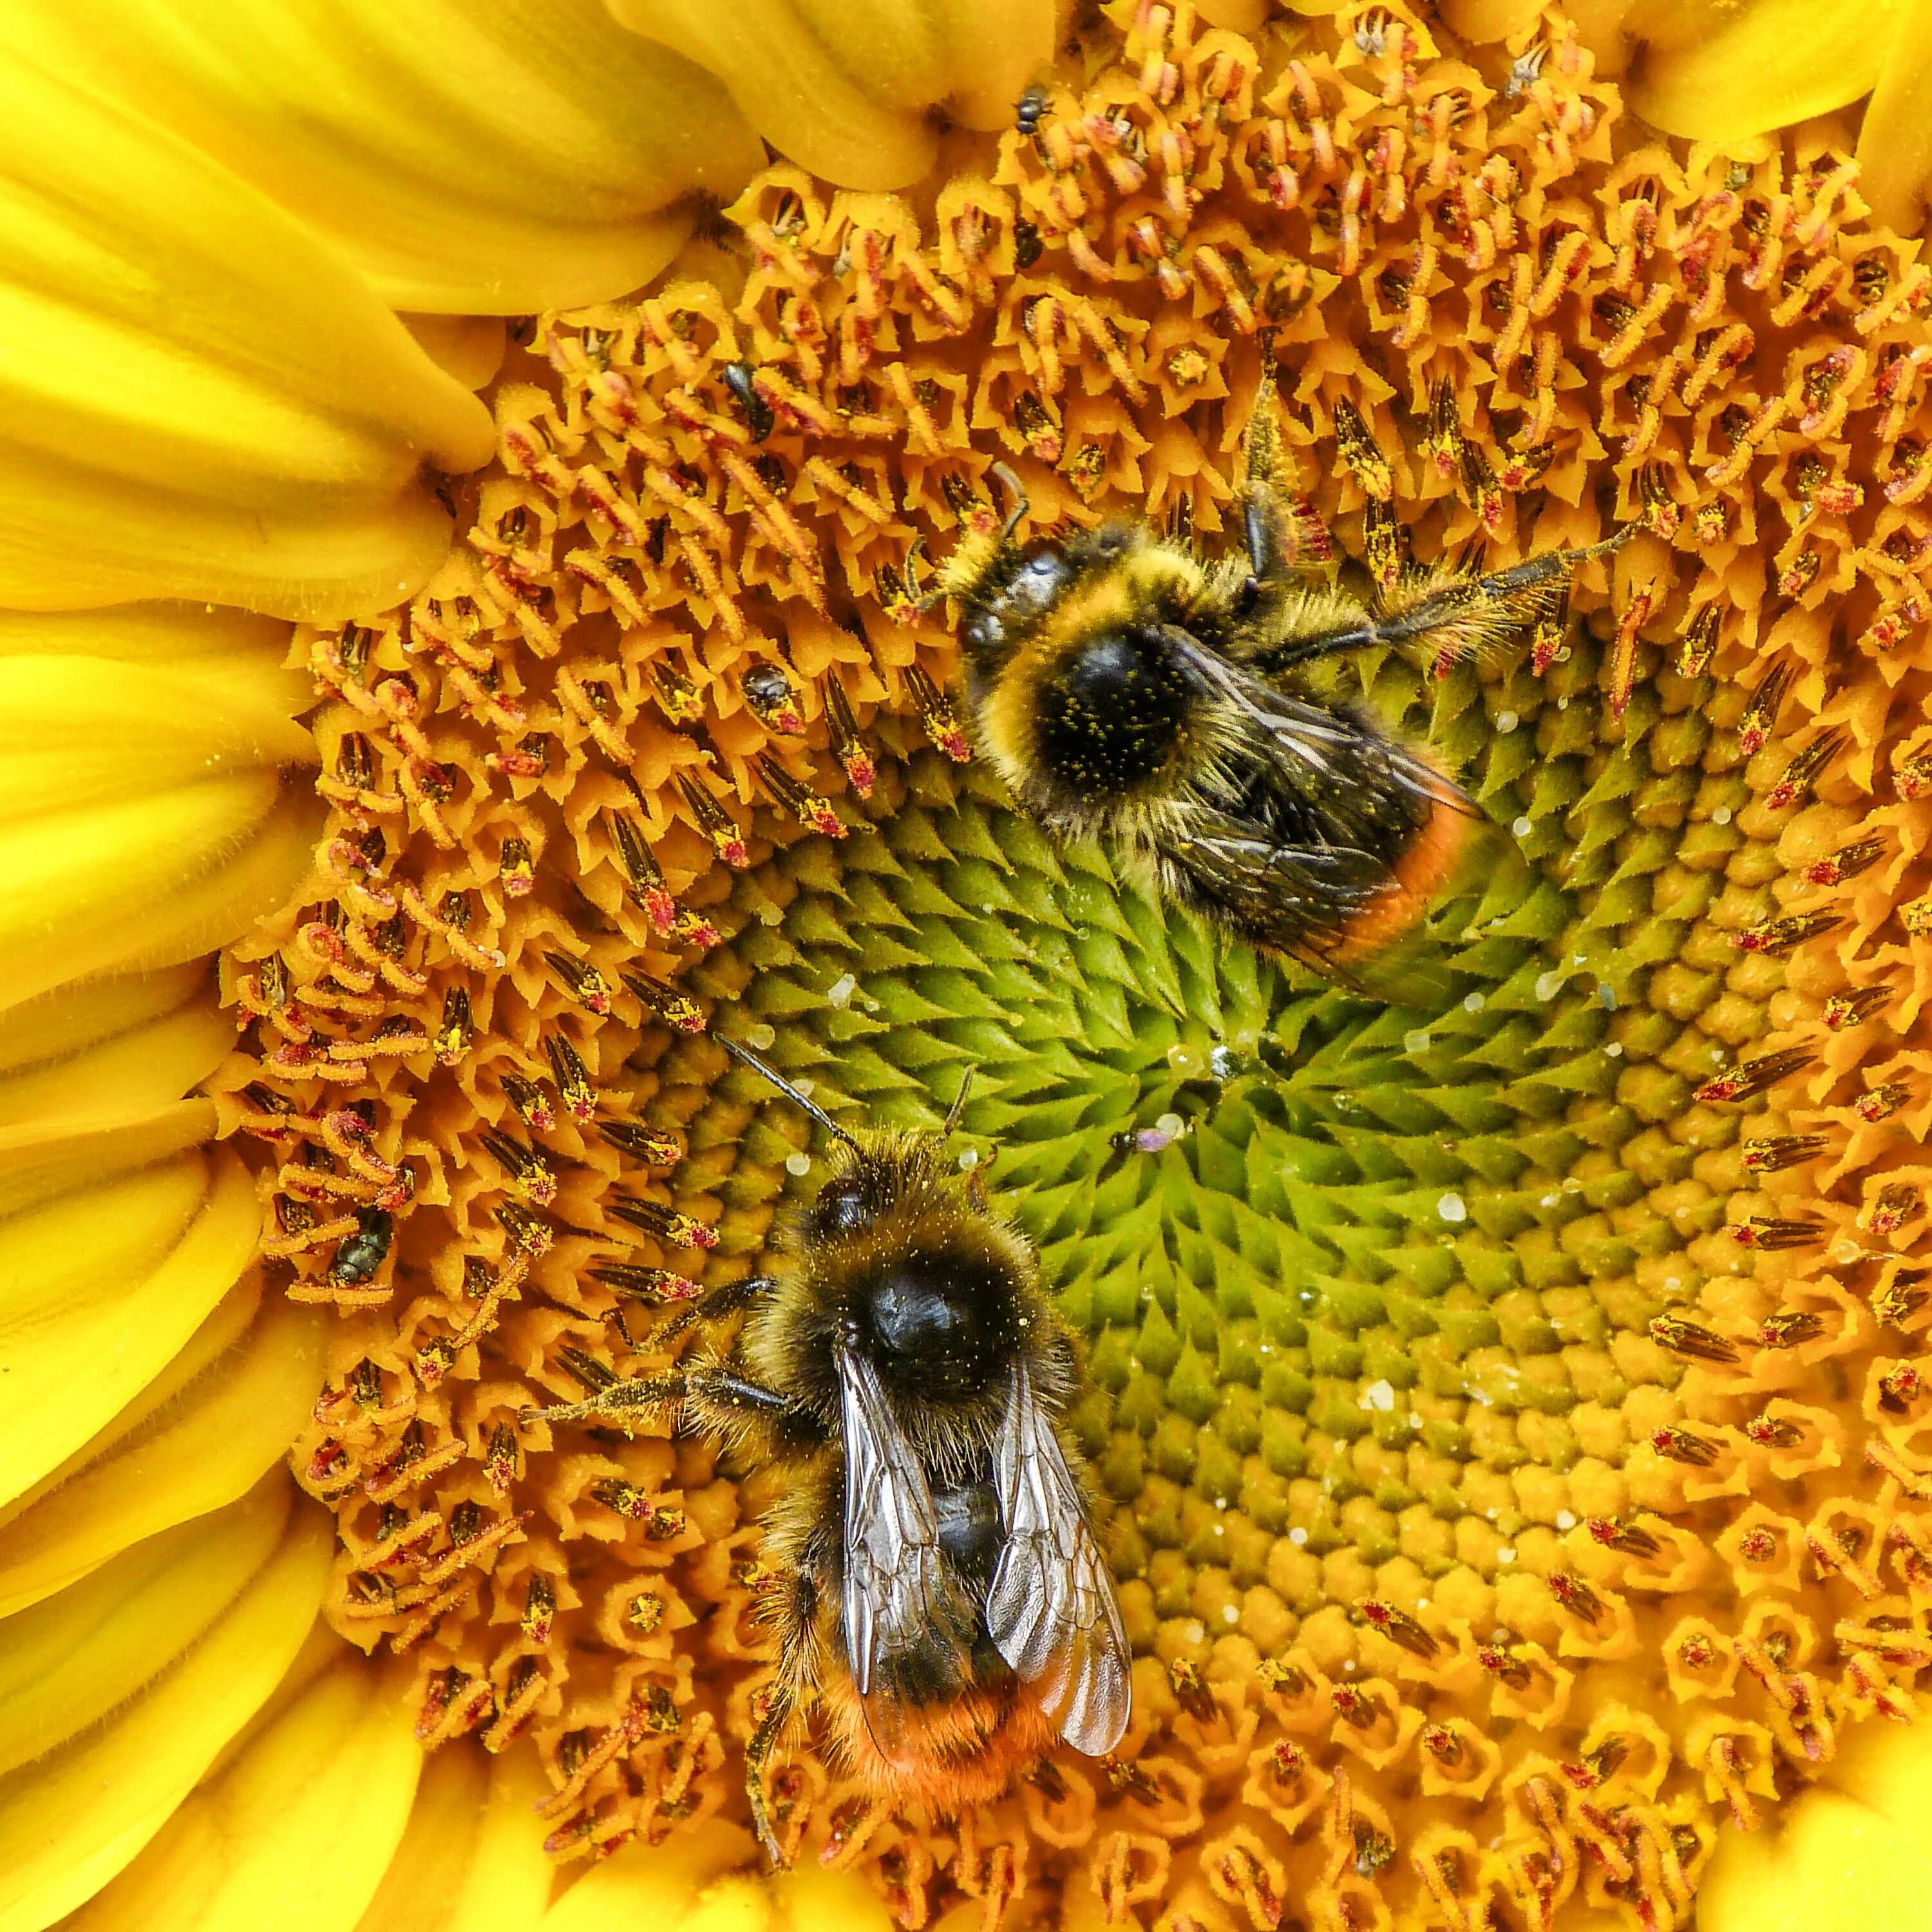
(1474, 1003)
(1379, 1396)
(1451, 1208)
(1521, 827)
(798, 1163)
(1507, 722)
(1417, 1041)
(1549, 985)
(841, 990)
(1298, 1537)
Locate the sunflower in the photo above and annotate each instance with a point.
(467, 484)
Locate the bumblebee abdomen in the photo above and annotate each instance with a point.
(1111, 717)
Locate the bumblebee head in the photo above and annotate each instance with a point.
(879, 1170)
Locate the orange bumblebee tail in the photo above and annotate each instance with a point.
(1433, 863)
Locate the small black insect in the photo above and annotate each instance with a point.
(361, 1254)
(758, 418)
(1031, 109)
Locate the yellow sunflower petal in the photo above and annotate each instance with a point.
(470, 347)
(150, 820)
(293, 1832)
(70, 1820)
(845, 89)
(654, 1884)
(200, 1434)
(100, 1284)
(120, 1045)
(200, 398)
(70, 1661)
(1717, 71)
(811, 1899)
(170, 631)
(1849, 1854)
(470, 156)
(470, 1861)
(1894, 150)
(74, 730)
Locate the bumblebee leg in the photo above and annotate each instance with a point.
(1470, 611)
(758, 1754)
(715, 1304)
(718, 1388)
(622, 1403)
(1264, 525)
(706, 1386)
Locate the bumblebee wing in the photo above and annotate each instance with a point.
(902, 1615)
(1051, 1611)
(1327, 755)
(1343, 800)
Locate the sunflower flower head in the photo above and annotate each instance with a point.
(1505, 1408)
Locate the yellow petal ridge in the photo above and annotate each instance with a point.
(99, 1288)
(74, 730)
(1722, 73)
(1894, 150)
(650, 1884)
(794, 89)
(121, 1045)
(468, 156)
(69, 1822)
(469, 1862)
(41, 1162)
(71, 1661)
(147, 881)
(470, 347)
(201, 399)
(293, 1830)
(200, 1436)
(166, 629)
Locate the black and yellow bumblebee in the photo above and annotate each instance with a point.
(1129, 692)
(940, 1596)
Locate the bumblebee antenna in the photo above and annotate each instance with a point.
(959, 1106)
(1017, 503)
(784, 1086)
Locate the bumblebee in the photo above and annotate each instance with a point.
(1131, 692)
(939, 1596)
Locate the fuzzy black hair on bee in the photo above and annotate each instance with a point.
(1130, 692)
(939, 1598)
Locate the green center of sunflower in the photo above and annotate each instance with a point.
(1365, 1287)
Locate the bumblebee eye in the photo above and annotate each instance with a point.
(1039, 580)
(845, 1206)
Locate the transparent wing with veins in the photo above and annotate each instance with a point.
(905, 1613)
(1051, 1611)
